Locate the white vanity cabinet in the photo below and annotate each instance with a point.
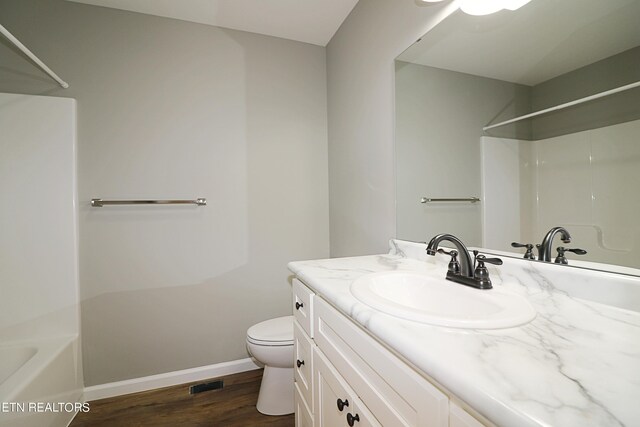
(303, 363)
(458, 417)
(350, 379)
(335, 402)
(304, 416)
(303, 353)
(393, 392)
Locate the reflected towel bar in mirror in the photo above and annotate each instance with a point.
(98, 203)
(465, 199)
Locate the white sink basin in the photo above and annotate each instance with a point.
(423, 298)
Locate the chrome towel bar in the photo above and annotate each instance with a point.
(466, 199)
(98, 203)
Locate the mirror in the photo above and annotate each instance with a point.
(577, 166)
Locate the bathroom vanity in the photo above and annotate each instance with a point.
(577, 363)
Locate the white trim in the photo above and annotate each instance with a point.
(167, 379)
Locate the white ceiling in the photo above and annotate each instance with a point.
(543, 39)
(308, 21)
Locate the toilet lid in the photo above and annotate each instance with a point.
(278, 330)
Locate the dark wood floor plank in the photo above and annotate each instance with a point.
(232, 406)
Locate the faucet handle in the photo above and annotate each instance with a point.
(483, 259)
(561, 259)
(454, 265)
(529, 253)
(577, 251)
(481, 274)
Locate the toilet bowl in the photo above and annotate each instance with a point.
(271, 343)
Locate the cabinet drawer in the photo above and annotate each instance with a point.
(395, 393)
(335, 402)
(304, 416)
(303, 306)
(303, 374)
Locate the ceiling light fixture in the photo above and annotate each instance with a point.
(486, 7)
(481, 7)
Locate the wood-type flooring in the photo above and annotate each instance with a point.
(232, 406)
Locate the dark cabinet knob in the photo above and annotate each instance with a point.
(342, 404)
(299, 305)
(299, 362)
(351, 419)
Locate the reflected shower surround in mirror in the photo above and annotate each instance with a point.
(486, 7)
(574, 167)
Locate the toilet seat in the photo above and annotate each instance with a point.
(272, 332)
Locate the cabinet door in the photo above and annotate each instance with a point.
(458, 417)
(362, 416)
(304, 418)
(395, 393)
(303, 369)
(336, 404)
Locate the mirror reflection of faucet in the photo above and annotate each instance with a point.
(464, 272)
(546, 247)
(560, 259)
(529, 253)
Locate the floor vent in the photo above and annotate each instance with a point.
(199, 388)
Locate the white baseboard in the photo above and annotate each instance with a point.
(151, 382)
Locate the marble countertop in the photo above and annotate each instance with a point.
(576, 364)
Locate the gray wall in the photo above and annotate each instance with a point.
(439, 120)
(170, 109)
(360, 72)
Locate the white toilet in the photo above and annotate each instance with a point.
(271, 343)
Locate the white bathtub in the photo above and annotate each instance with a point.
(47, 370)
(13, 358)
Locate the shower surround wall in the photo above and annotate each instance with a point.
(38, 237)
(435, 136)
(39, 306)
(171, 109)
(584, 181)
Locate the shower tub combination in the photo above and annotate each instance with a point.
(40, 366)
(46, 371)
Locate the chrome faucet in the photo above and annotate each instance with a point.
(464, 272)
(546, 247)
